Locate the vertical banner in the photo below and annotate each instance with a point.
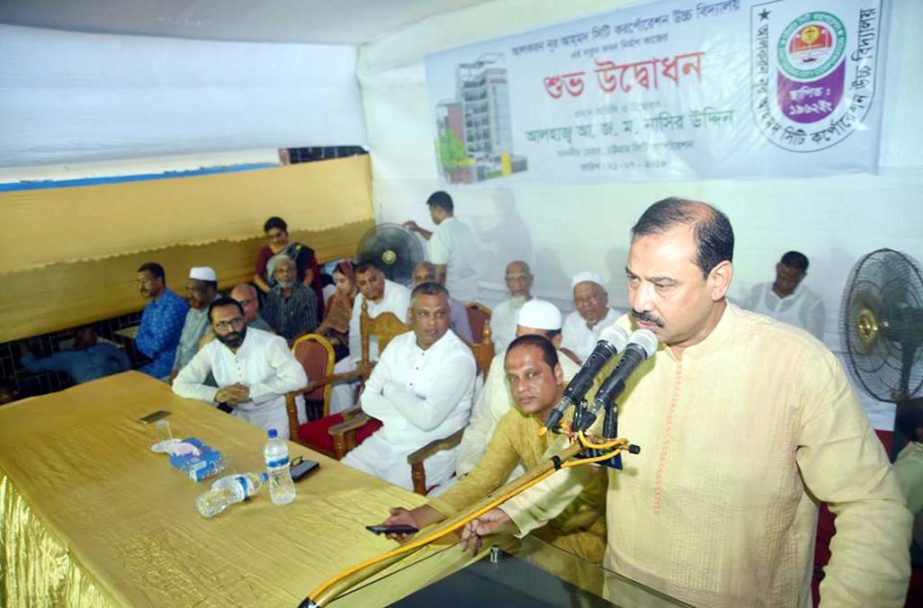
(671, 90)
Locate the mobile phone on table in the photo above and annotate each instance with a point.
(301, 467)
(154, 417)
(399, 529)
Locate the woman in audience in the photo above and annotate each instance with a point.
(339, 309)
(308, 271)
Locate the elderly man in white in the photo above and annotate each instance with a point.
(254, 369)
(505, 316)
(421, 390)
(537, 317)
(583, 326)
(382, 296)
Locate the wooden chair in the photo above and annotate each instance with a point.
(317, 358)
(337, 434)
(483, 346)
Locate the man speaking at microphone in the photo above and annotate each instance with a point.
(741, 421)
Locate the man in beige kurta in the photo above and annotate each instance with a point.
(536, 382)
(743, 422)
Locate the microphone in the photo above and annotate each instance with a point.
(611, 341)
(642, 344)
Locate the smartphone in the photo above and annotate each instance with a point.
(154, 417)
(400, 529)
(301, 467)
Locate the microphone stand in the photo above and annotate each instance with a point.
(339, 585)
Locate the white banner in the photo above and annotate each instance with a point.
(672, 90)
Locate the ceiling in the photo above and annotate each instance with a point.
(296, 21)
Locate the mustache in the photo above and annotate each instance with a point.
(647, 318)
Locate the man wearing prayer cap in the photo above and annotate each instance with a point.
(536, 317)
(201, 290)
(583, 326)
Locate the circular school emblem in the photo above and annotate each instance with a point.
(811, 46)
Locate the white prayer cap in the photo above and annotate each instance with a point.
(539, 314)
(203, 273)
(582, 277)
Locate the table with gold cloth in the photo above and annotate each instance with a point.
(91, 517)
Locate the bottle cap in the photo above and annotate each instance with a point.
(273, 433)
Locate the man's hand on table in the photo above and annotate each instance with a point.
(494, 521)
(234, 394)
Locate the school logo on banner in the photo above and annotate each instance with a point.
(813, 72)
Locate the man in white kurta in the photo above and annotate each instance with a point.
(583, 326)
(505, 315)
(744, 423)
(788, 299)
(421, 390)
(254, 369)
(382, 296)
(537, 318)
(451, 248)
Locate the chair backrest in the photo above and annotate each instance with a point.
(386, 326)
(482, 347)
(479, 320)
(316, 356)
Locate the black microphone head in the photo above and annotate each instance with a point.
(645, 340)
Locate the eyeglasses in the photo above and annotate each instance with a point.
(224, 326)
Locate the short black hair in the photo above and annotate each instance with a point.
(275, 222)
(551, 334)
(429, 289)
(549, 352)
(365, 266)
(909, 418)
(154, 268)
(224, 301)
(713, 233)
(442, 200)
(795, 259)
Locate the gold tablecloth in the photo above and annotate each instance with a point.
(91, 517)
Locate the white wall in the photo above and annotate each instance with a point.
(73, 98)
(563, 229)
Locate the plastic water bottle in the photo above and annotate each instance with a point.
(229, 490)
(281, 486)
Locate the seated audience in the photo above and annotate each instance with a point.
(382, 296)
(505, 315)
(788, 299)
(308, 271)
(9, 392)
(161, 322)
(537, 317)
(421, 390)
(246, 295)
(253, 369)
(537, 381)
(583, 326)
(909, 463)
(339, 309)
(425, 272)
(291, 308)
(88, 360)
(201, 291)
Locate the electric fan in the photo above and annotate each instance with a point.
(392, 248)
(881, 321)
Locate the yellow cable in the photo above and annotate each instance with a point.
(495, 502)
(614, 443)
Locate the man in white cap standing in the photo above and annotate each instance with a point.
(583, 326)
(201, 290)
(536, 317)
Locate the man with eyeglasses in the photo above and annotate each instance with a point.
(254, 369)
(245, 294)
(583, 326)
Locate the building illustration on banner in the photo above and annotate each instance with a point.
(474, 131)
(809, 94)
